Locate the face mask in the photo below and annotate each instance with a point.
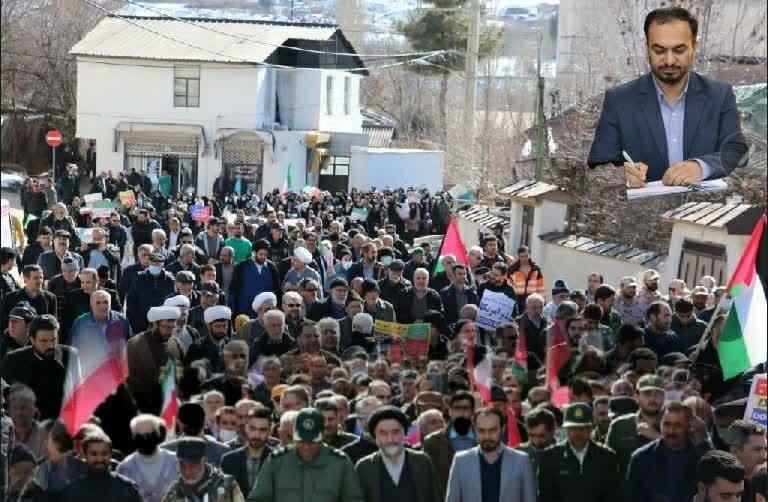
(386, 260)
(462, 425)
(346, 265)
(226, 435)
(154, 270)
(147, 444)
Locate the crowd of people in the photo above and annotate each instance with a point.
(288, 392)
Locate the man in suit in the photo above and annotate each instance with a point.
(245, 463)
(678, 126)
(579, 469)
(44, 302)
(457, 295)
(491, 470)
(394, 472)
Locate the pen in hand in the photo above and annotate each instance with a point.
(634, 168)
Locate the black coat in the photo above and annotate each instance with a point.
(206, 348)
(448, 297)
(390, 291)
(43, 303)
(100, 487)
(405, 301)
(235, 463)
(359, 448)
(323, 308)
(31, 253)
(77, 303)
(146, 291)
(44, 376)
(36, 202)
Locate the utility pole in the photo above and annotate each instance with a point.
(292, 10)
(540, 132)
(473, 48)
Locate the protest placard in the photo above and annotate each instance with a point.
(128, 198)
(411, 340)
(358, 214)
(757, 408)
(200, 213)
(92, 197)
(102, 208)
(495, 309)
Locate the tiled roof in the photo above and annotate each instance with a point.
(150, 38)
(482, 216)
(737, 219)
(530, 189)
(649, 259)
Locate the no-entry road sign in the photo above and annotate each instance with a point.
(53, 138)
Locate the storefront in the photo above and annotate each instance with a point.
(170, 161)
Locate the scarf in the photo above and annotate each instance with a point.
(211, 479)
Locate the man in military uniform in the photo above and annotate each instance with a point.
(627, 433)
(579, 469)
(308, 470)
(199, 480)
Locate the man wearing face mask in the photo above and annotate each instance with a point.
(150, 288)
(314, 470)
(150, 467)
(394, 472)
(130, 272)
(199, 479)
(99, 483)
(42, 366)
(211, 347)
(442, 446)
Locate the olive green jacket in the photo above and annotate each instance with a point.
(562, 478)
(286, 478)
(623, 438)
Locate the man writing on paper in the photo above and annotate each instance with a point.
(677, 126)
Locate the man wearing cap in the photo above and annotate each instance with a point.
(198, 478)
(184, 284)
(17, 332)
(184, 333)
(252, 277)
(700, 298)
(627, 433)
(394, 472)
(560, 293)
(628, 304)
(148, 353)
(394, 284)
(334, 305)
(33, 293)
(210, 240)
(50, 261)
(417, 261)
(308, 470)
(190, 421)
(210, 296)
(300, 269)
(150, 289)
(280, 248)
(650, 292)
(218, 320)
(185, 262)
(579, 469)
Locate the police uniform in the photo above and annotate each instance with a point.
(563, 477)
(215, 485)
(330, 477)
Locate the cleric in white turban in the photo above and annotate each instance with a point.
(180, 301)
(262, 298)
(217, 313)
(163, 314)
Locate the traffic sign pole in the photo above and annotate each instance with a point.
(53, 166)
(53, 138)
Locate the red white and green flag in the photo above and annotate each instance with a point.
(170, 397)
(451, 244)
(742, 343)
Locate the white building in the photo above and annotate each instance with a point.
(193, 98)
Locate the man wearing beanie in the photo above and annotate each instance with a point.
(394, 472)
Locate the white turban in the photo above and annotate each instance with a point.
(217, 313)
(163, 314)
(303, 254)
(266, 296)
(177, 301)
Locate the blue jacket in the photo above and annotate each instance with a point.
(147, 291)
(631, 121)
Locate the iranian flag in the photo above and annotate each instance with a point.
(288, 182)
(170, 398)
(451, 244)
(96, 373)
(742, 343)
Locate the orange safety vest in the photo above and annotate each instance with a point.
(524, 286)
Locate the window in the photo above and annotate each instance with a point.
(347, 95)
(329, 95)
(186, 86)
(527, 225)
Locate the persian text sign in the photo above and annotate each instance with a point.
(495, 309)
(757, 408)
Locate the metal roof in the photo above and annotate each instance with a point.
(482, 216)
(533, 190)
(379, 136)
(150, 38)
(648, 259)
(737, 219)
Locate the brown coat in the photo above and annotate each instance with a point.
(144, 370)
(440, 451)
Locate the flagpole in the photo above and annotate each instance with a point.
(711, 322)
(440, 249)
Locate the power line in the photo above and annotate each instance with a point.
(242, 60)
(246, 39)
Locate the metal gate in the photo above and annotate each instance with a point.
(243, 157)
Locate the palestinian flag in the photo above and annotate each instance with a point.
(288, 182)
(451, 244)
(742, 343)
(170, 397)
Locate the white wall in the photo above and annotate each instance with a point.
(558, 262)
(391, 167)
(547, 217)
(289, 149)
(734, 246)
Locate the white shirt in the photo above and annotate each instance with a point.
(579, 454)
(394, 468)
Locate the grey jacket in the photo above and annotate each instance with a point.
(517, 480)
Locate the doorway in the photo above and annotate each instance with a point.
(334, 176)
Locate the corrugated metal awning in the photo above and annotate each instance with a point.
(736, 219)
(534, 190)
(618, 251)
(481, 216)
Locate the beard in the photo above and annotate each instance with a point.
(670, 74)
(256, 444)
(392, 449)
(489, 445)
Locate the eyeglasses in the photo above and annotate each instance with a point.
(293, 305)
